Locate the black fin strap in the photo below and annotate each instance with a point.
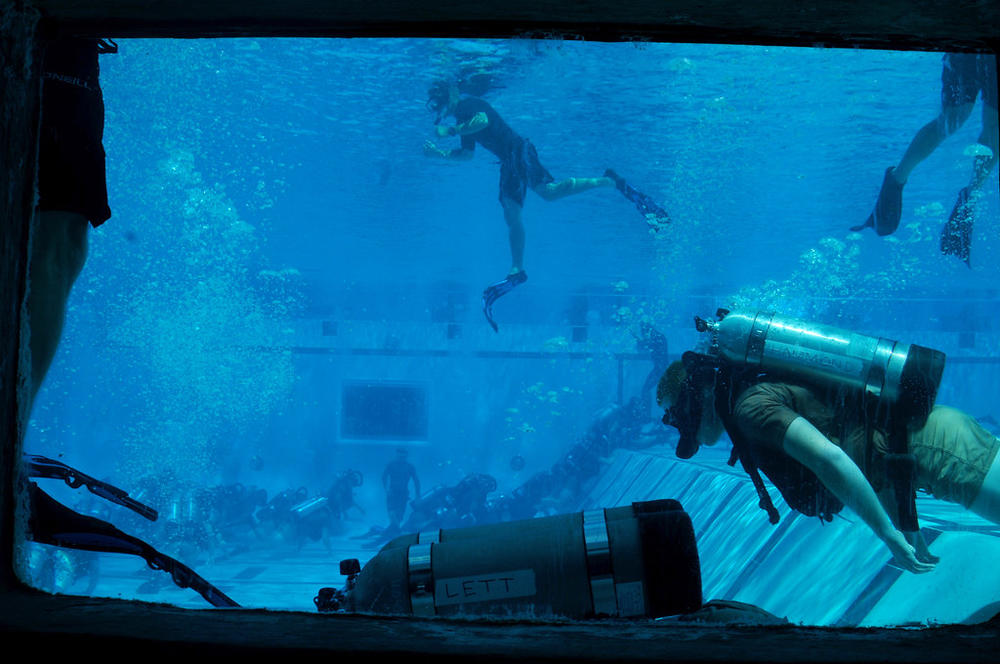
(901, 469)
(722, 395)
(765, 502)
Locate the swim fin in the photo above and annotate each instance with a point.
(888, 208)
(497, 290)
(956, 236)
(656, 216)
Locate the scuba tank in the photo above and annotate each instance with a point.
(636, 560)
(898, 376)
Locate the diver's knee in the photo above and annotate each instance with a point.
(551, 191)
(511, 210)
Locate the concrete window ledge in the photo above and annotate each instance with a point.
(47, 624)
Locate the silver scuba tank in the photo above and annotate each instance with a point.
(896, 374)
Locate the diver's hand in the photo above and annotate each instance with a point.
(442, 131)
(432, 150)
(905, 554)
(917, 541)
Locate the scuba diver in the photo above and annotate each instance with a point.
(476, 121)
(341, 494)
(231, 509)
(833, 418)
(652, 340)
(964, 77)
(458, 506)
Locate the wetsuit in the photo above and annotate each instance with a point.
(520, 167)
(71, 168)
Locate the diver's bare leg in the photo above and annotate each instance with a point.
(556, 190)
(58, 253)
(929, 138)
(515, 233)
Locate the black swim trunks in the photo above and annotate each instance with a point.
(520, 170)
(71, 159)
(965, 75)
(519, 164)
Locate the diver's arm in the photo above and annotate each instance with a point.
(807, 445)
(475, 124)
(458, 154)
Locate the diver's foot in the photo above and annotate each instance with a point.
(956, 236)
(889, 206)
(517, 276)
(617, 179)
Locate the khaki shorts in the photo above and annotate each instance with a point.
(953, 454)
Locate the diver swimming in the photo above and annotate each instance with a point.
(477, 122)
(834, 419)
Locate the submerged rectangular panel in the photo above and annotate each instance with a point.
(377, 410)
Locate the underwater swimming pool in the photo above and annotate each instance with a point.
(290, 289)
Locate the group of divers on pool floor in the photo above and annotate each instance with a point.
(830, 425)
(831, 417)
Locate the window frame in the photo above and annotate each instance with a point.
(64, 622)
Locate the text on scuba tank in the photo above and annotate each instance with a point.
(484, 587)
(788, 355)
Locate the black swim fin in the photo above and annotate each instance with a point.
(656, 216)
(498, 290)
(956, 236)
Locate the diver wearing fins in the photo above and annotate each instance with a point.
(833, 418)
(964, 77)
(477, 122)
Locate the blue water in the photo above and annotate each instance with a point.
(264, 191)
